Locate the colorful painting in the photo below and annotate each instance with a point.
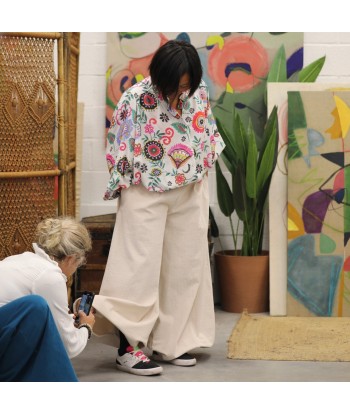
(318, 203)
(235, 67)
(277, 94)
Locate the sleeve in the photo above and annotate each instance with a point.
(54, 290)
(216, 142)
(120, 146)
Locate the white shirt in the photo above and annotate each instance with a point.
(37, 273)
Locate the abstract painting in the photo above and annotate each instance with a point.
(318, 203)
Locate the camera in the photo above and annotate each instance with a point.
(85, 303)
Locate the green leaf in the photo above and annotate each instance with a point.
(297, 117)
(311, 71)
(278, 69)
(110, 103)
(267, 163)
(229, 150)
(294, 77)
(227, 162)
(214, 229)
(271, 124)
(130, 35)
(179, 127)
(294, 151)
(239, 193)
(224, 193)
(241, 140)
(251, 165)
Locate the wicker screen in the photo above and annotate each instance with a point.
(27, 121)
(37, 106)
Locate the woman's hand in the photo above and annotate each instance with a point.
(84, 319)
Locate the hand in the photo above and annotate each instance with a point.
(83, 318)
(76, 305)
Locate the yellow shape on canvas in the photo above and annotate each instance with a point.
(335, 129)
(215, 40)
(344, 115)
(295, 223)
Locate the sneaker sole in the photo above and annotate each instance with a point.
(183, 362)
(141, 372)
(176, 362)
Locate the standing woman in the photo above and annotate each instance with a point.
(157, 288)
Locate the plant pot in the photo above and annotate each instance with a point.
(243, 282)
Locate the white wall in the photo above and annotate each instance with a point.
(92, 67)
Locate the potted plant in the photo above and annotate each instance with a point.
(251, 171)
(250, 158)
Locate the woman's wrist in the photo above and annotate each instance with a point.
(88, 327)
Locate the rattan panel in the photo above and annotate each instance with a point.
(27, 123)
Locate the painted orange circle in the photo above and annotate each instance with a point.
(242, 62)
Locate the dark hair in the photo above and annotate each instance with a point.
(170, 62)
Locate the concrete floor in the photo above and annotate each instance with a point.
(97, 364)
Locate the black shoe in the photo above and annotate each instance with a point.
(136, 362)
(183, 360)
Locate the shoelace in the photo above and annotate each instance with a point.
(138, 353)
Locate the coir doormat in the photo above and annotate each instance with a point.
(325, 339)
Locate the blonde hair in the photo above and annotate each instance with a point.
(63, 236)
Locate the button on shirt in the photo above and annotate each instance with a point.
(150, 143)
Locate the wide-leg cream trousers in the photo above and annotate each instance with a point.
(157, 286)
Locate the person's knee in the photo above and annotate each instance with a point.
(35, 304)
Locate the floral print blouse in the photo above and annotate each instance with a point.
(150, 143)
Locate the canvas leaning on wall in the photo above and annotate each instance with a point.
(289, 294)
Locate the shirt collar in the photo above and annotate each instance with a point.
(40, 252)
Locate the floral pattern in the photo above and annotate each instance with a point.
(148, 101)
(154, 150)
(121, 115)
(123, 166)
(152, 144)
(198, 122)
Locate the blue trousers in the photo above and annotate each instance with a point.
(31, 349)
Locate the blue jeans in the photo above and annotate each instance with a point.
(31, 349)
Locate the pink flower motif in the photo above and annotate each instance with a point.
(205, 162)
(137, 178)
(210, 158)
(149, 129)
(180, 179)
(137, 150)
(110, 161)
(202, 145)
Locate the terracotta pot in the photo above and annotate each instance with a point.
(243, 282)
